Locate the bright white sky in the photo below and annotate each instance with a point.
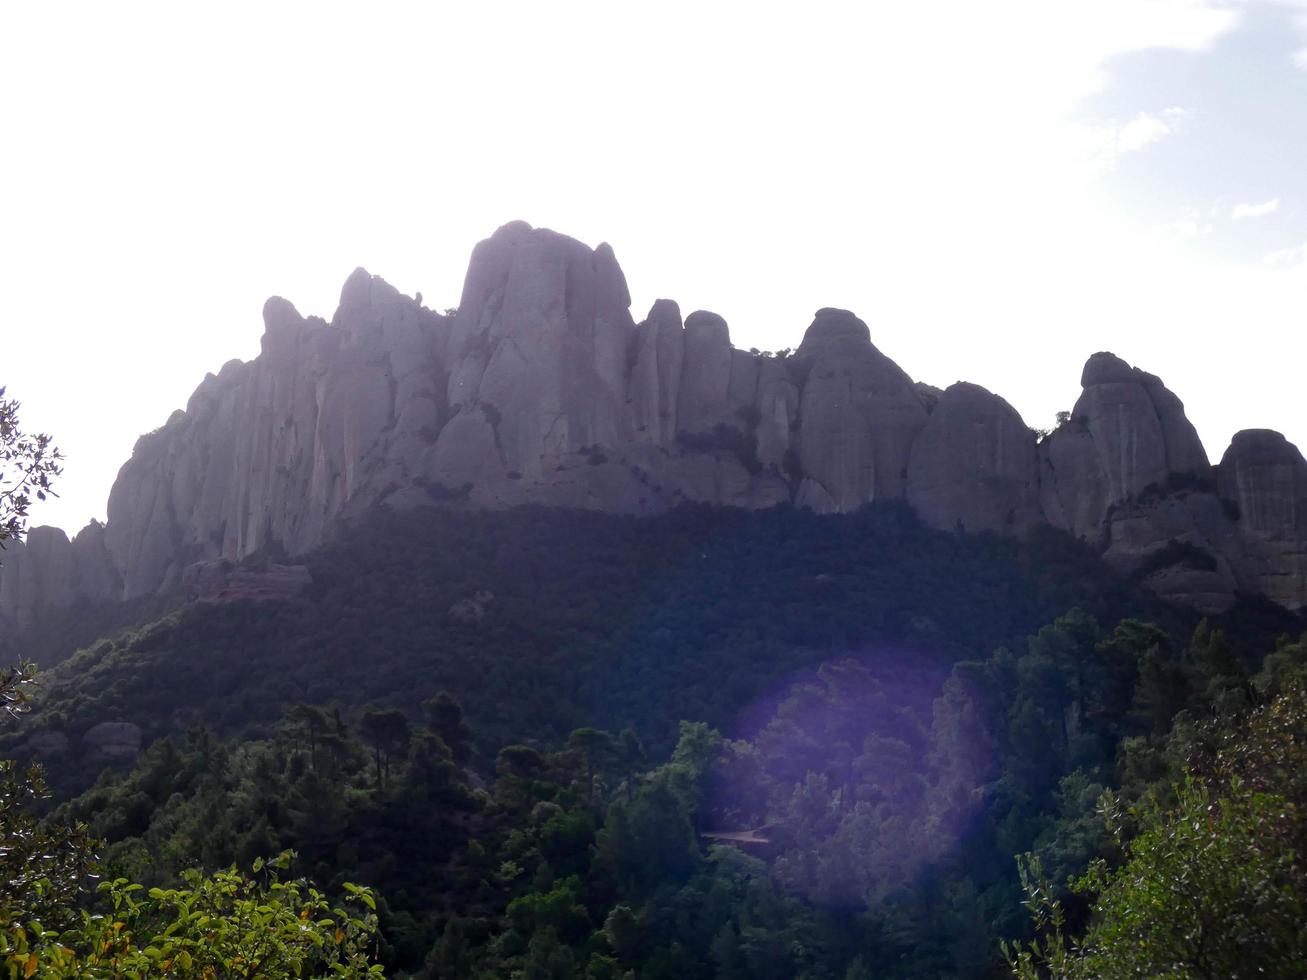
(999, 189)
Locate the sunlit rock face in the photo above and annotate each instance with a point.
(543, 389)
(268, 453)
(540, 348)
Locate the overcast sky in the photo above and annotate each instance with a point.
(999, 189)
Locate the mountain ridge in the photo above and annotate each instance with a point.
(542, 389)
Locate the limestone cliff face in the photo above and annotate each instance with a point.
(543, 389)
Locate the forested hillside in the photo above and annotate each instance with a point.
(705, 744)
(850, 835)
(541, 621)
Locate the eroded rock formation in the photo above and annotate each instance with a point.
(1265, 477)
(975, 463)
(543, 389)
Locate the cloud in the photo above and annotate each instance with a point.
(1187, 226)
(1102, 143)
(1240, 212)
(1286, 258)
(1299, 21)
(1146, 129)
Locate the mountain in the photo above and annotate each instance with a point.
(542, 389)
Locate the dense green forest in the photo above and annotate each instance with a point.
(597, 620)
(707, 744)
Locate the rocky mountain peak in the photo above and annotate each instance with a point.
(1262, 445)
(832, 328)
(356, 293)
(707, 330)
(975, 463)
(1266, 475)
(664, 314)
(1105, 367)
(282, 325)
(542, 389)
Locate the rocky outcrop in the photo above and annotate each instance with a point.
(858, 416)
(540, 343)
(1264, 477)
(705, 394)
(1127, 433)
(975, 464)
(1181, 543)
(113, 741)
(655, 386)
(268, 453)
(1127, 472)
(225, 581)
(48, 572)
(542, 389)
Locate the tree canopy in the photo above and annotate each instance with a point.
(29, 464)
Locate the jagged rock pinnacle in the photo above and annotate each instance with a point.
(542, 389)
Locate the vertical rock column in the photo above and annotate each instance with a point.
(858, 416)
(1265, 476)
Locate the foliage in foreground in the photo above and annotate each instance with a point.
(887, 812)
(226, 924)
(222, 925)
(1214, 883)
(28, 464)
